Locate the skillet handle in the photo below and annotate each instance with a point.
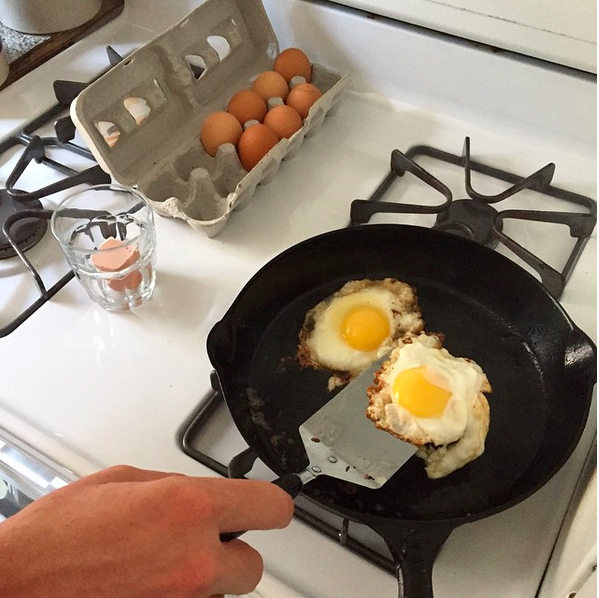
(290, 482)
(414, 548)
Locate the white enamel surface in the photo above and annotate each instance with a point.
(560, 32)
(90, 388)
(573, 563)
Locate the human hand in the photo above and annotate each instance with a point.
(131, 533)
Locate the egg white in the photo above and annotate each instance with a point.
(443, 460)
(457, 436)
(321, 341)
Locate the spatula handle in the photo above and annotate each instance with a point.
(290, 482)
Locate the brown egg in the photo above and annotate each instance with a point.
(218, 128)
(247, 104)
(271, 84)
(283, 120)
(302, 97)
(292, 62)
(256, 141)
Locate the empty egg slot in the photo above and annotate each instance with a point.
(226, 169)
(138, 108)
(215, 49)
(232, 33)
(197, 65)
(144, 99)
(109, 131)
(203, 201)
(220, 45)
(193, 157)
(164, 187)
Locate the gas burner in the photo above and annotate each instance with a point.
(470, 219)
(21, 228)
(475, 218)
(27, 232)
(23, 220)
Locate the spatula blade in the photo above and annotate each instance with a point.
(343, 443)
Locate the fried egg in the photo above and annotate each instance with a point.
(357, 325)
(427, 397)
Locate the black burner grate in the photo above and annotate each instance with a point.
(26, 232)
(476, 218)
(23, 221)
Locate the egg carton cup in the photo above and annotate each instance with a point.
(142, 119)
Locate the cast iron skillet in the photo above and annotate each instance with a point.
(541, 366)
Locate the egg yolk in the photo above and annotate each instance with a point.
(413, 390)
(365, 327)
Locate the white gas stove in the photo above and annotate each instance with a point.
(83, 389)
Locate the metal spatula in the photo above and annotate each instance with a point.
(343, 443)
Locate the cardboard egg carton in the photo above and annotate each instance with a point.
(142, 119)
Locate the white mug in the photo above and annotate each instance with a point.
(45, 16)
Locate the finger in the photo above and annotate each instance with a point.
(240, 571)
(248, 504)
(124, 473)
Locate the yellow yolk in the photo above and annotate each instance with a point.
(365, 327)
(414, 392)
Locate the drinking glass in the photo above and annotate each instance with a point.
(108, 237)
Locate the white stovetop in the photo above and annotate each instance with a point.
(90, 388)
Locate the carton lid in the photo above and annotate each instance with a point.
(147, 108)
